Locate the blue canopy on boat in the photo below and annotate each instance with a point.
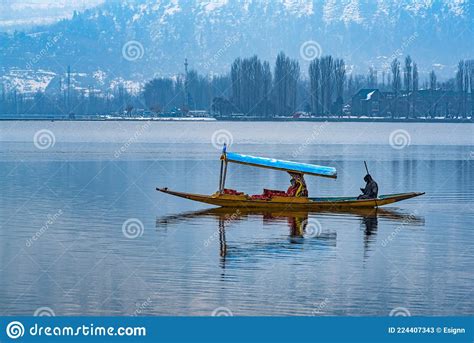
(288, 166)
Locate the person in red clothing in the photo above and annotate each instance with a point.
(298, 186)
(291, 191)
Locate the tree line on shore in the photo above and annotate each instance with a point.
(250, 88)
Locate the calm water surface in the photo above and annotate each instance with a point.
(63, 210)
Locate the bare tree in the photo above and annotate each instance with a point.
(407, 76)
(433, 82)
(267, 88)
(339, 79)
(286, 76)
(470, 69)
(415, 87)
(327, 86)
(251, 85)
(315, 85)
(433, 87)
(372, 78)
(396, 84)
(235, 74)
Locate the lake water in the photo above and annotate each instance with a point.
(84, 232)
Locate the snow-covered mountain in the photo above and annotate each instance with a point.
(141, 39)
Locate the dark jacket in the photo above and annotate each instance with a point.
(371, 189)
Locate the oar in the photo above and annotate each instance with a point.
(367, 169)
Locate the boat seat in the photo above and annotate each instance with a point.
(268, 194)
(232, 191)
(273, 192)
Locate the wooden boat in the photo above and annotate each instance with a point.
(220, 198)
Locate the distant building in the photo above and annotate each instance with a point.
(367, 102)
(428, 103)
(198, 114)
(440, 103)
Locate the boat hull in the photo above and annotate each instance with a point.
(279, 202)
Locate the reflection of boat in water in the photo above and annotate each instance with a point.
(272, 199)
(237, 214)
(303, 229)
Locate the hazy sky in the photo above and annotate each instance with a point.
(20, 13)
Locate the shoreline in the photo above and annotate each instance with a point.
(213, 120)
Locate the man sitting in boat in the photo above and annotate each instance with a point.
(371, 189)
(298, 186)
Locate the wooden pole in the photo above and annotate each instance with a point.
(225, 174)
(367, 169)
(220, 176)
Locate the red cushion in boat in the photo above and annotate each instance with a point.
(273, 192)
(231, 191)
